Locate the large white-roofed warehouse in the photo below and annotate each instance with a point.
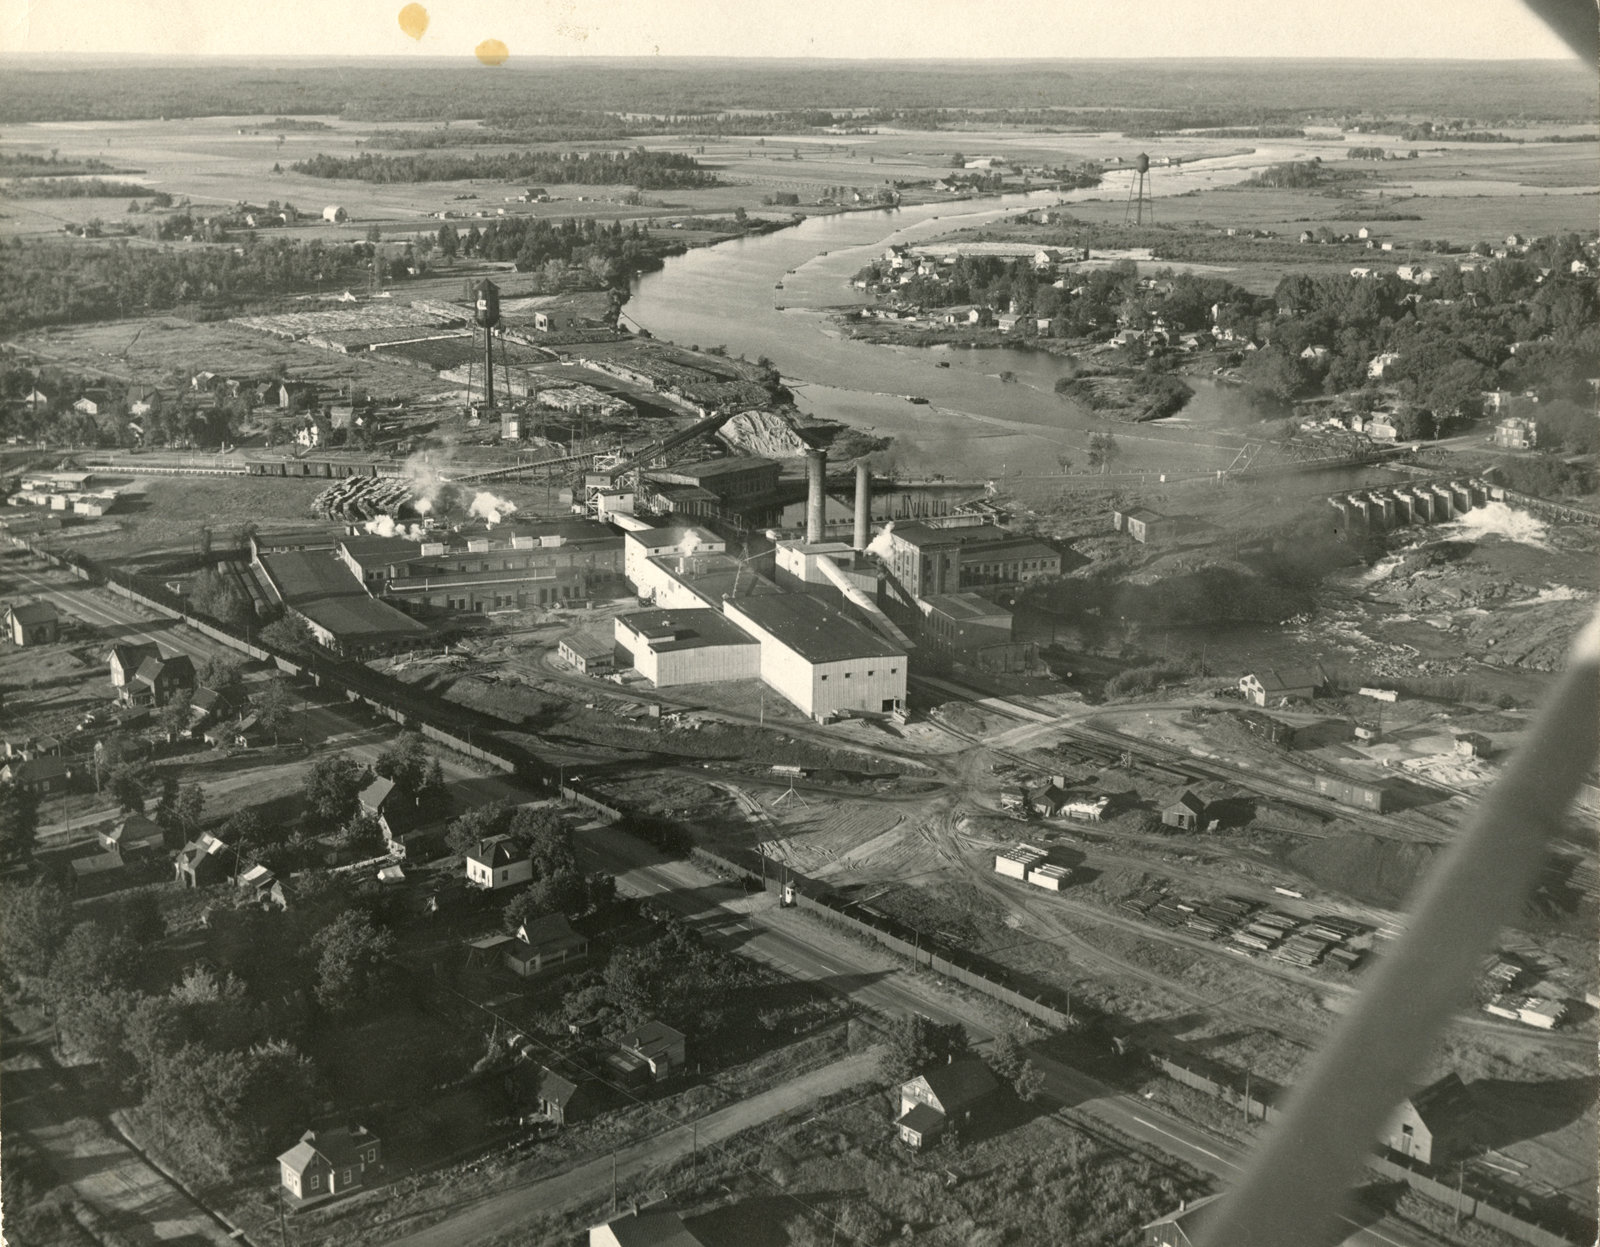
(671, 647)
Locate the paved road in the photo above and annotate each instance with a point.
(498, 1213)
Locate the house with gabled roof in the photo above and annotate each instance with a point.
(134, 837)
(332, 1162)
(1182, 1226)
(543, 943)
(1436, 1125)
(37, 775)
(943, 1096)
(159, 679)
(124, 660)
(499, 862)
(554, 1096)
(644, 1227)
(203, 861)
(1273, 686)
(654, 1046)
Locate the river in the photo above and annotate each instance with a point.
(975, 421)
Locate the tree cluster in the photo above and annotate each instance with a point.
(648, 170)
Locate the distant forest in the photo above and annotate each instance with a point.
(1243, 92)
(646, 170)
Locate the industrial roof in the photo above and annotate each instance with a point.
(719, 467)
(813, 629)
(375, 549)
(667, 630)
(300, 575)
(673, 536)
(1014, 547)
(588, 646)
(963, 606)
(359, 616)
(1025, 853)
(922, 535)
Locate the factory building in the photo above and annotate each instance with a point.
(316, 587)
(744, 484)
(962, 625)
(685, 567)
(824, 662)
(547, 564)
(928, 560)
(672, 647)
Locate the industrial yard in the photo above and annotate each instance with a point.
(694, 656)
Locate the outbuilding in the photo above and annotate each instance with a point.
(1187, 813)
(33, 623)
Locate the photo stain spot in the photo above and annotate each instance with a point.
(414, 20)
(492, 52)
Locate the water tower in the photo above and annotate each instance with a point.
(486, 315)
(1139, 192)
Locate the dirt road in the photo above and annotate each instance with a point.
(498, 1213)
(101, 1168)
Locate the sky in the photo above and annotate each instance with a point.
(900, 29)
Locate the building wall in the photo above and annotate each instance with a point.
(961, 636)
(708, 665)
(507, 876)
(636, 557)
(1418, 1144)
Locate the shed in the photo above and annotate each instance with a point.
(33, 623)
(1187, 813)
(1436, 1125)
(587, 653)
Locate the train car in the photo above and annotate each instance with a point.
(1349, 792)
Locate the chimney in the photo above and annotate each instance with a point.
(860, 537)
(816, 473)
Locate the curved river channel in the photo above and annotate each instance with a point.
(974, 423)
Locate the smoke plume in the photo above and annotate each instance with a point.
(878, 547)
(385, 526)
(491, 507)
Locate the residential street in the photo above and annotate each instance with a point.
(501, 1212)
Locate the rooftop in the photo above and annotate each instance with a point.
(588, 646)
(960, 1083)
(34, 613)
(672, 537)
(301, 575)
(813, 629)
(720, 467)
(360, 616)
(963, 606)
(652, 1229)
(375, 549)
(667, 630)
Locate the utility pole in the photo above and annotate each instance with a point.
(613, 1184)
(1246, 1103)
(1461, 1182)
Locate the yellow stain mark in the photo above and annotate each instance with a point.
(492, 52)
(414, 20)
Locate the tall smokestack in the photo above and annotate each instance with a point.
(860, 537)
(816, 474)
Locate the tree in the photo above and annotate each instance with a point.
(565, 891)
(916, 1042)
(19, 823)
(547, 838)
(1103, 449)
(352, 961)
(138, 916)
(289, 634)
(174, 717)
(432, 796)
(127, 787)
(272, 706)
(191, 808)
(1007, 1056)
(406, 763)
(331, 789)
(1029, 1082)
(221, 673)
(34, 922)
(247, 832)
(479, 824)
(362, 835)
